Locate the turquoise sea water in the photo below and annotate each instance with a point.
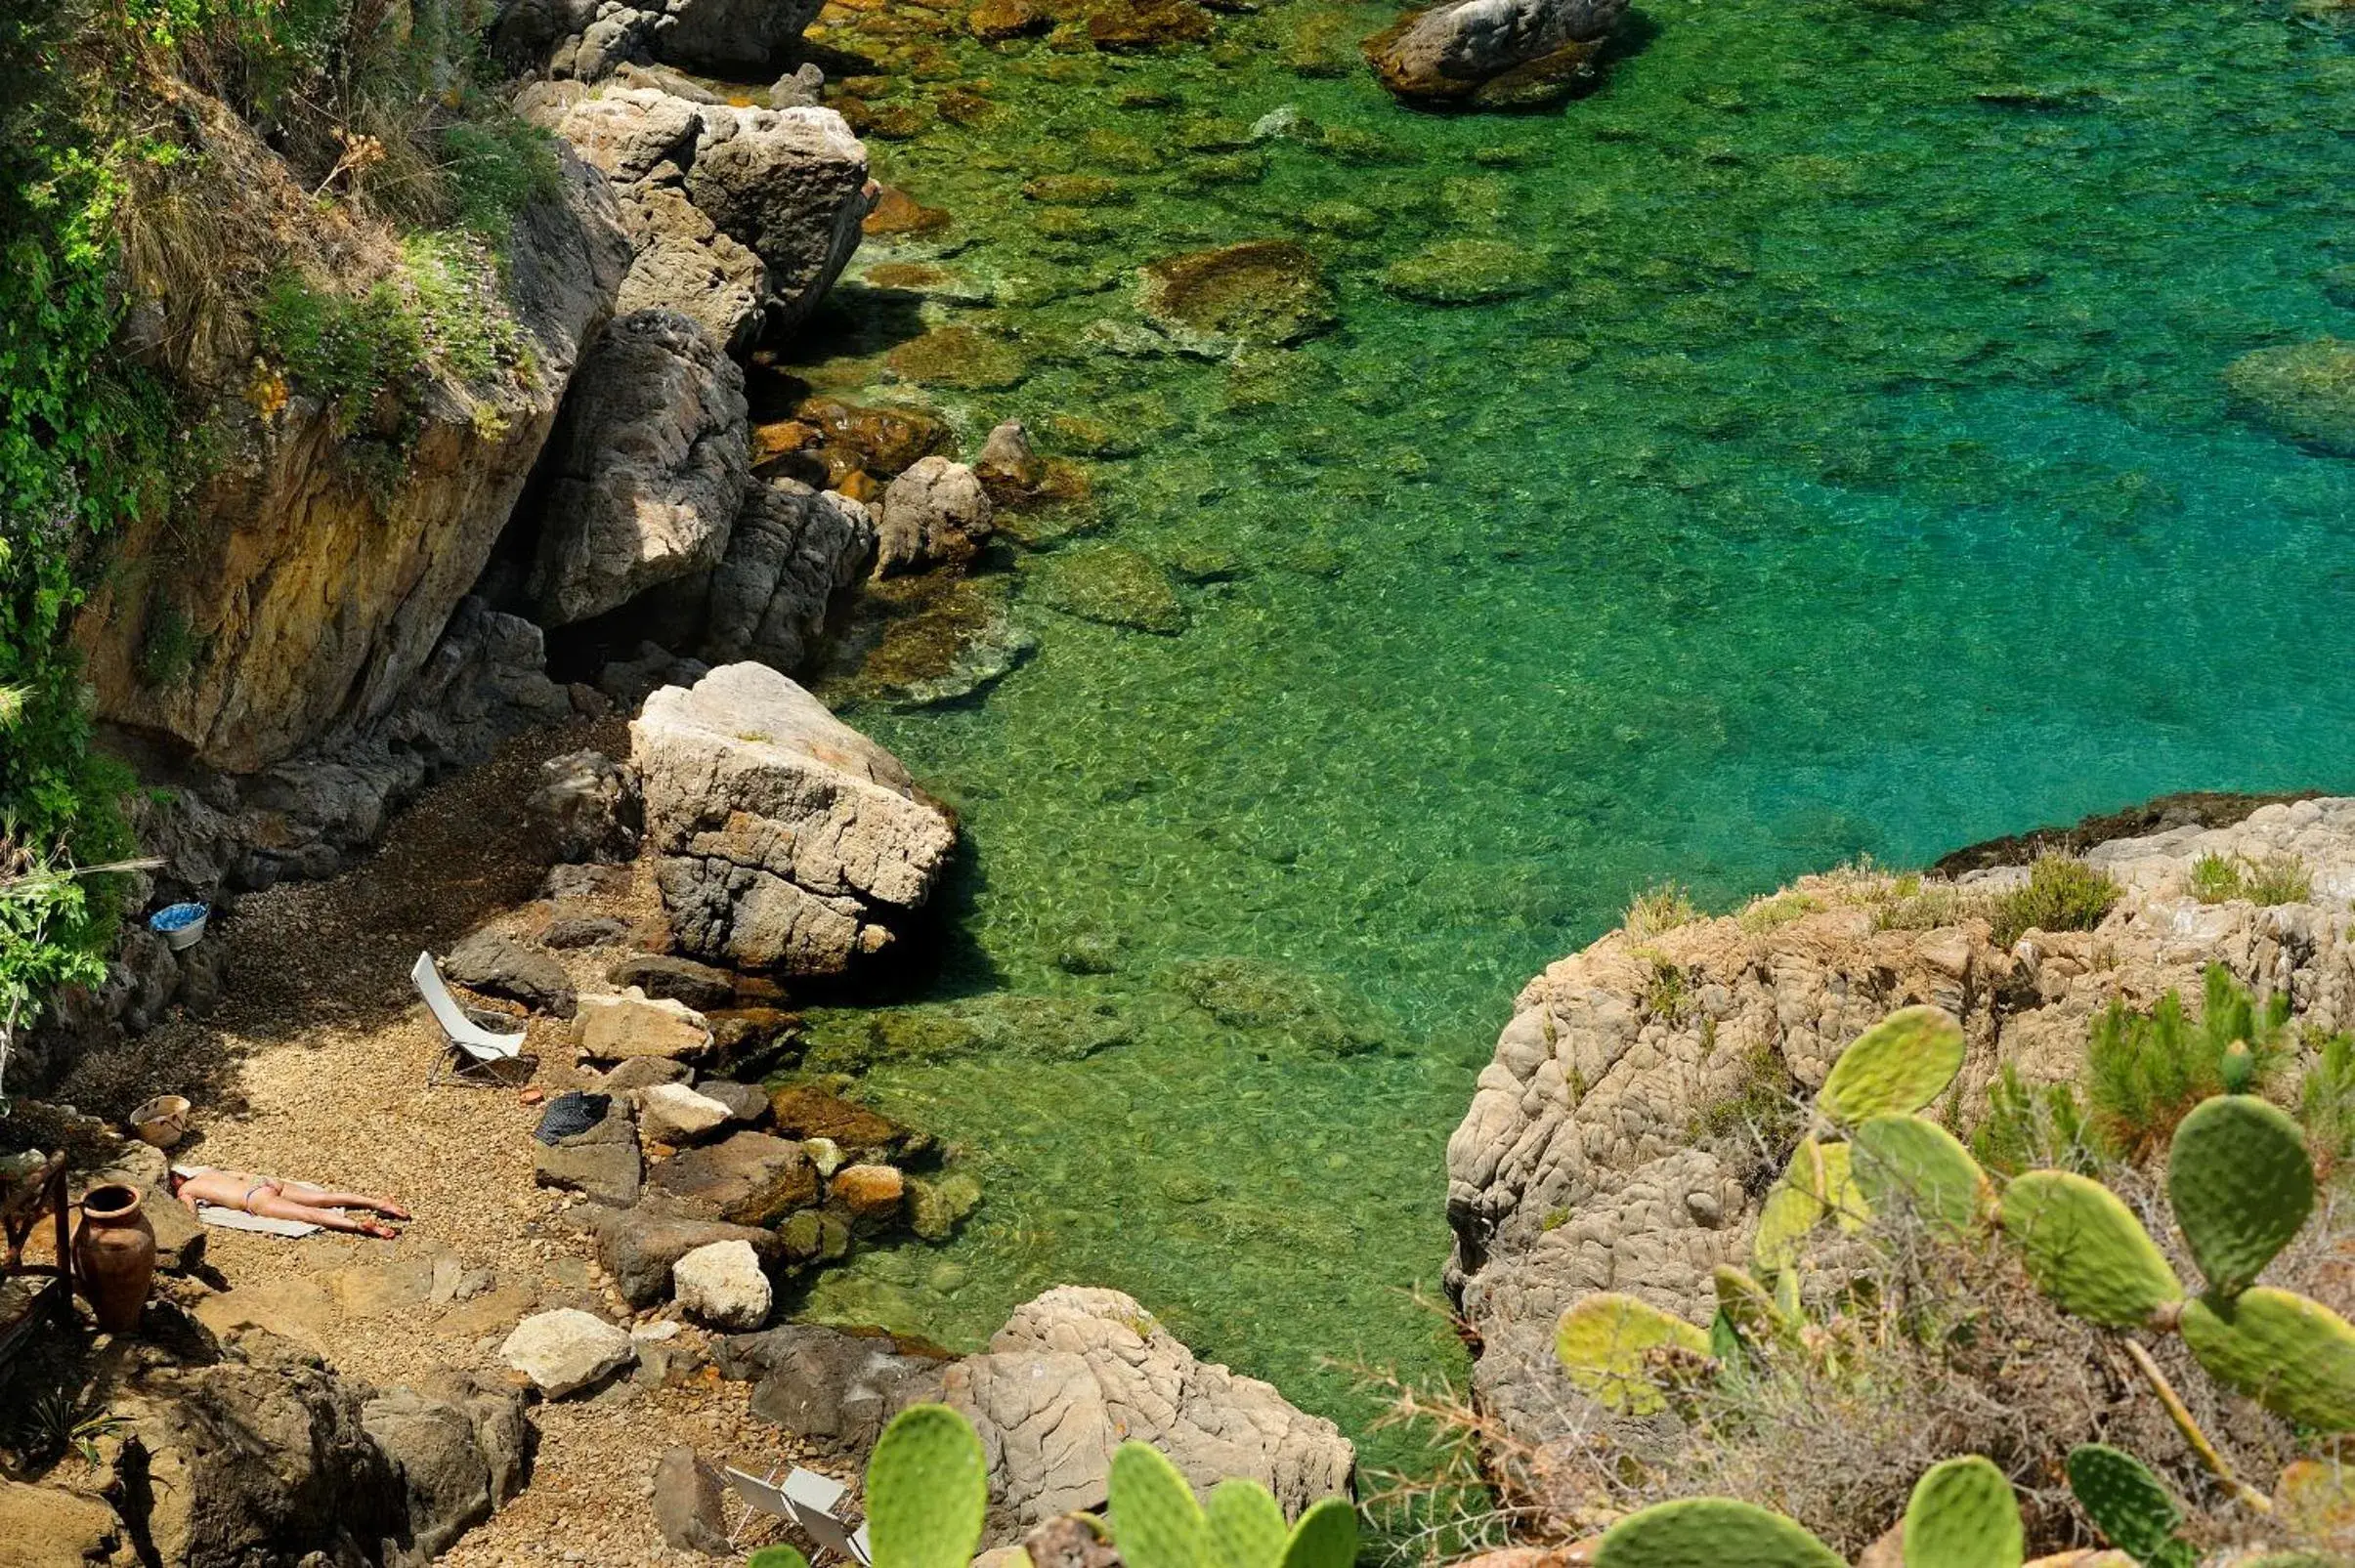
(1856, 479)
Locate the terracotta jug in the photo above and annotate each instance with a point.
(115, 1255)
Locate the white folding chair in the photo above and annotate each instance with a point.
(805, 1500)
(477, 1056)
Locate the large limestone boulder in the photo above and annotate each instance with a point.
(640, 1245)
(1502, 53)
(1587, 1159)
(791, 184)
(685, 263)
(303, 594)
(649, 469)
(1079, 1370)
(786, 838)
(567, 1351)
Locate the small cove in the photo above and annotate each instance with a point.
(1847, 472)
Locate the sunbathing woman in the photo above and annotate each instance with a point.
(274, 1199)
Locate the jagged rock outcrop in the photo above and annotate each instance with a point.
(268, 1458)
(792, 550)
(589, 38)
(733, 210)
(1492, 53)
(648, 470)
(785, 837)
(1081, 1370)
(1586, 1162)
(304, 596)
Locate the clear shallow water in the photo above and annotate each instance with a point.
(1858, 480)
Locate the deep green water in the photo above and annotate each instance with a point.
(1859, 480)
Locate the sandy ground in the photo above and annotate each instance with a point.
(316, 1066)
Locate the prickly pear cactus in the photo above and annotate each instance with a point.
(776, 1557)
(1711, 1533)
(1155, 1520)
(1790, 1211)
(2293, 1356)
(1604, 1343)
(1751, 1308)
(1899, 1064)
(2242, 1184)
(1246, 1526)
(1963, 1516)
(2086, 1251)
(1902, 1159)
(1325, 1538)
(2131, 1506)
(928, 1488)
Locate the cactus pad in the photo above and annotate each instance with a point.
(1325, 1538)
(2131, 1506)
(1784, 1219)
(776, 1557)
(1154, 1516)
(1604, 1343)
(1904, 1160)
(2293, 1356)
(1838, 1192)
(2242, 1185)
(1711, 1533)
(1963, 1516)
(1247, 1528)
(928, 1488)
(1750, 1306)
(1901, 1063)
(2086, 1249)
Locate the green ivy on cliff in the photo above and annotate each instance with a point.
(82, 444)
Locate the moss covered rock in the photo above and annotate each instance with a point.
(2304, 392)
(1115, 586)
(1264, 292)
(1464, 272)
(962, 358)
(1302, 1010)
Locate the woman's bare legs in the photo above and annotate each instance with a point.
(278, 1206)
(304, 1192)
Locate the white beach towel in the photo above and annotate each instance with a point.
(239, 1219)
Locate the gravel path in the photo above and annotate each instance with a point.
(323, 1055)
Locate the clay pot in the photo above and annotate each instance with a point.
(115, 1255)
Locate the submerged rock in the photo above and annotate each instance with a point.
(2304, 392)
(1137, 27)
(1111, 585)
(1464, 272)
(962, 359)
(937, 513)
(1264, 292)
(1493, 53)
(784, 836)
(1269, 998)
(1117, 1375)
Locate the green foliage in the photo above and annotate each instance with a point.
(2213, 878)
(2129, 1506)
(927, 1489)
(494, 168)
(2242, 1187)
(2060, 894)
(1963, 1516)
(2326, 1098)
(1662, 907)
(2031, 1129)
(2144, 1072)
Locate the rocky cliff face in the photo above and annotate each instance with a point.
(1593, 1157)
(306, 592)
